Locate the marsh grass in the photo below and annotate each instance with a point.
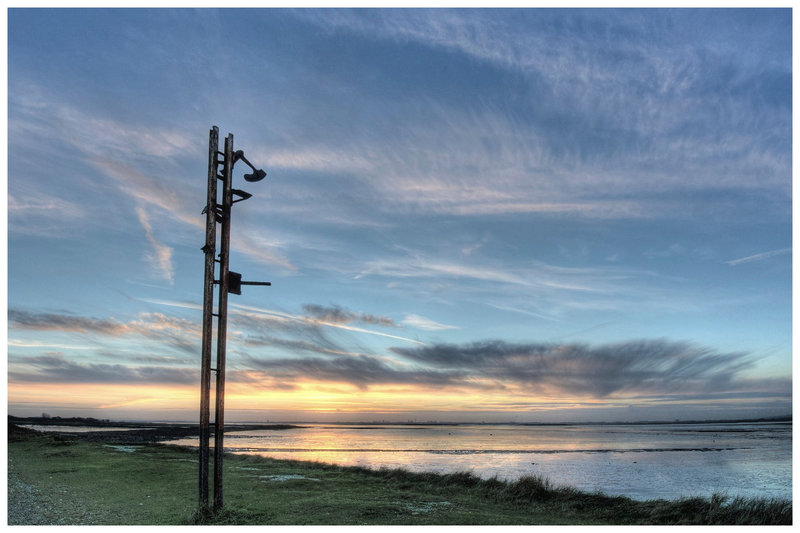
(93, 483)
(720, 509)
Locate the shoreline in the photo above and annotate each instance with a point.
(137, 432)
(617, 468)
(88, 421)
(95, 482)
(143, 432)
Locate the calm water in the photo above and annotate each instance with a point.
(640, 461)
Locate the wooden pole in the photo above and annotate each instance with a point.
(222, 324)
(217, 213)
(208, 305)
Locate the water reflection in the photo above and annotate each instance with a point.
(658, 461)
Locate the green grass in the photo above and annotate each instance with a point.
(92, 483)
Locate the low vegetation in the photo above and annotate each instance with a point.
(70, 481)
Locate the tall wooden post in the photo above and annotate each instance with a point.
(208, 305)
(222, 324)
(218, 214)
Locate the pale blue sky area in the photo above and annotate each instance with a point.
(453, 197)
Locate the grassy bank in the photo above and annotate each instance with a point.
(78, 482)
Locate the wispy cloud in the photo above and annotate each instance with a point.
(46, 204)
(536, 288)
(58, 322)
(35, 212)
(420, 322)
(59, 369)
(34, 107)
(170, 303)
(759, 257)
(319, 159)
(19, 343)
(256, 247)
(177, 332)
(149, 191)
(161, 256)
(481, 162)
(534, 274)
(257, 312)
(340, 315)
(594, 144)
(143, 163)
(418, 267)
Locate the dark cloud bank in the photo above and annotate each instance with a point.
(647, 368)
(59, 369)
(640, 368)
(176, 332)
(660, 366)
(339, 315)
(359, 370)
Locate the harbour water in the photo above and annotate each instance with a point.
(640, 461)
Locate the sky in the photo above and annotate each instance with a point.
(517, 215)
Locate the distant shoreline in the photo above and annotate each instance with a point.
(238, 426)
(139, 432)
(156, 432)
